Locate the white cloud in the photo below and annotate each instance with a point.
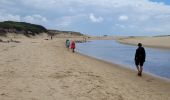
(95, 19)
(28, 19)
(143, 17)
(35, 19)
(143, 14)
(5, 2)
(123, 18)
(68, 21)
(6, 17)
(64, 21)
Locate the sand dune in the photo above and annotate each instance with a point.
(155, 42)
(38, 69)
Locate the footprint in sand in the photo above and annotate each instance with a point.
(149, 80)
(33, 42)
(13, 60)
(60, 75)
(6, 49)
(4, 94)
(13, 46)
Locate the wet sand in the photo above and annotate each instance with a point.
(38, 69)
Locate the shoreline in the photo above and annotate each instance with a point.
(49, 71)
(123, 66)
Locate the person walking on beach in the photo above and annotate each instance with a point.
(67, 43)
(51, 37)
(140, 56)
(73, 46)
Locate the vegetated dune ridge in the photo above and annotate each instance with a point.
(43, 69)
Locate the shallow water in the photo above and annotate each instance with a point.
(157, 61)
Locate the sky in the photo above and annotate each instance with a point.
(93, 17)
(163, 1)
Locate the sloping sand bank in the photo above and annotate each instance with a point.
(38, 69)
(154, 42)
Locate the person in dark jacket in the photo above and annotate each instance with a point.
(140, 56)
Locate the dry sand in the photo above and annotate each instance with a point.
(155, 42)
(38, 69)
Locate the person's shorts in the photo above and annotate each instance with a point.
(138, 62)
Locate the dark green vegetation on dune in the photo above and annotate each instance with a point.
(57, 32)
(29, 29)
(20, 28)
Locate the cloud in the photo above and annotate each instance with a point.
(81, 15)
(6, 17)
(120, 25)
(64, 21)
(95, 19)
(34, 18)
(123, 18)
(68, 22)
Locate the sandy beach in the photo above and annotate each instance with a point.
(161, 42)
(38, 69)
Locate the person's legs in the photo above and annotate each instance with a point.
(141, 68)
(67, 47)
(137, 66)
(138, 70)
(73, 50)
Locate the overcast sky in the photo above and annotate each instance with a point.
(95, 17)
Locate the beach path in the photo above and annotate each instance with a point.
(38, 69)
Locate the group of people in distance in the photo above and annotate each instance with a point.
(71, 45)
